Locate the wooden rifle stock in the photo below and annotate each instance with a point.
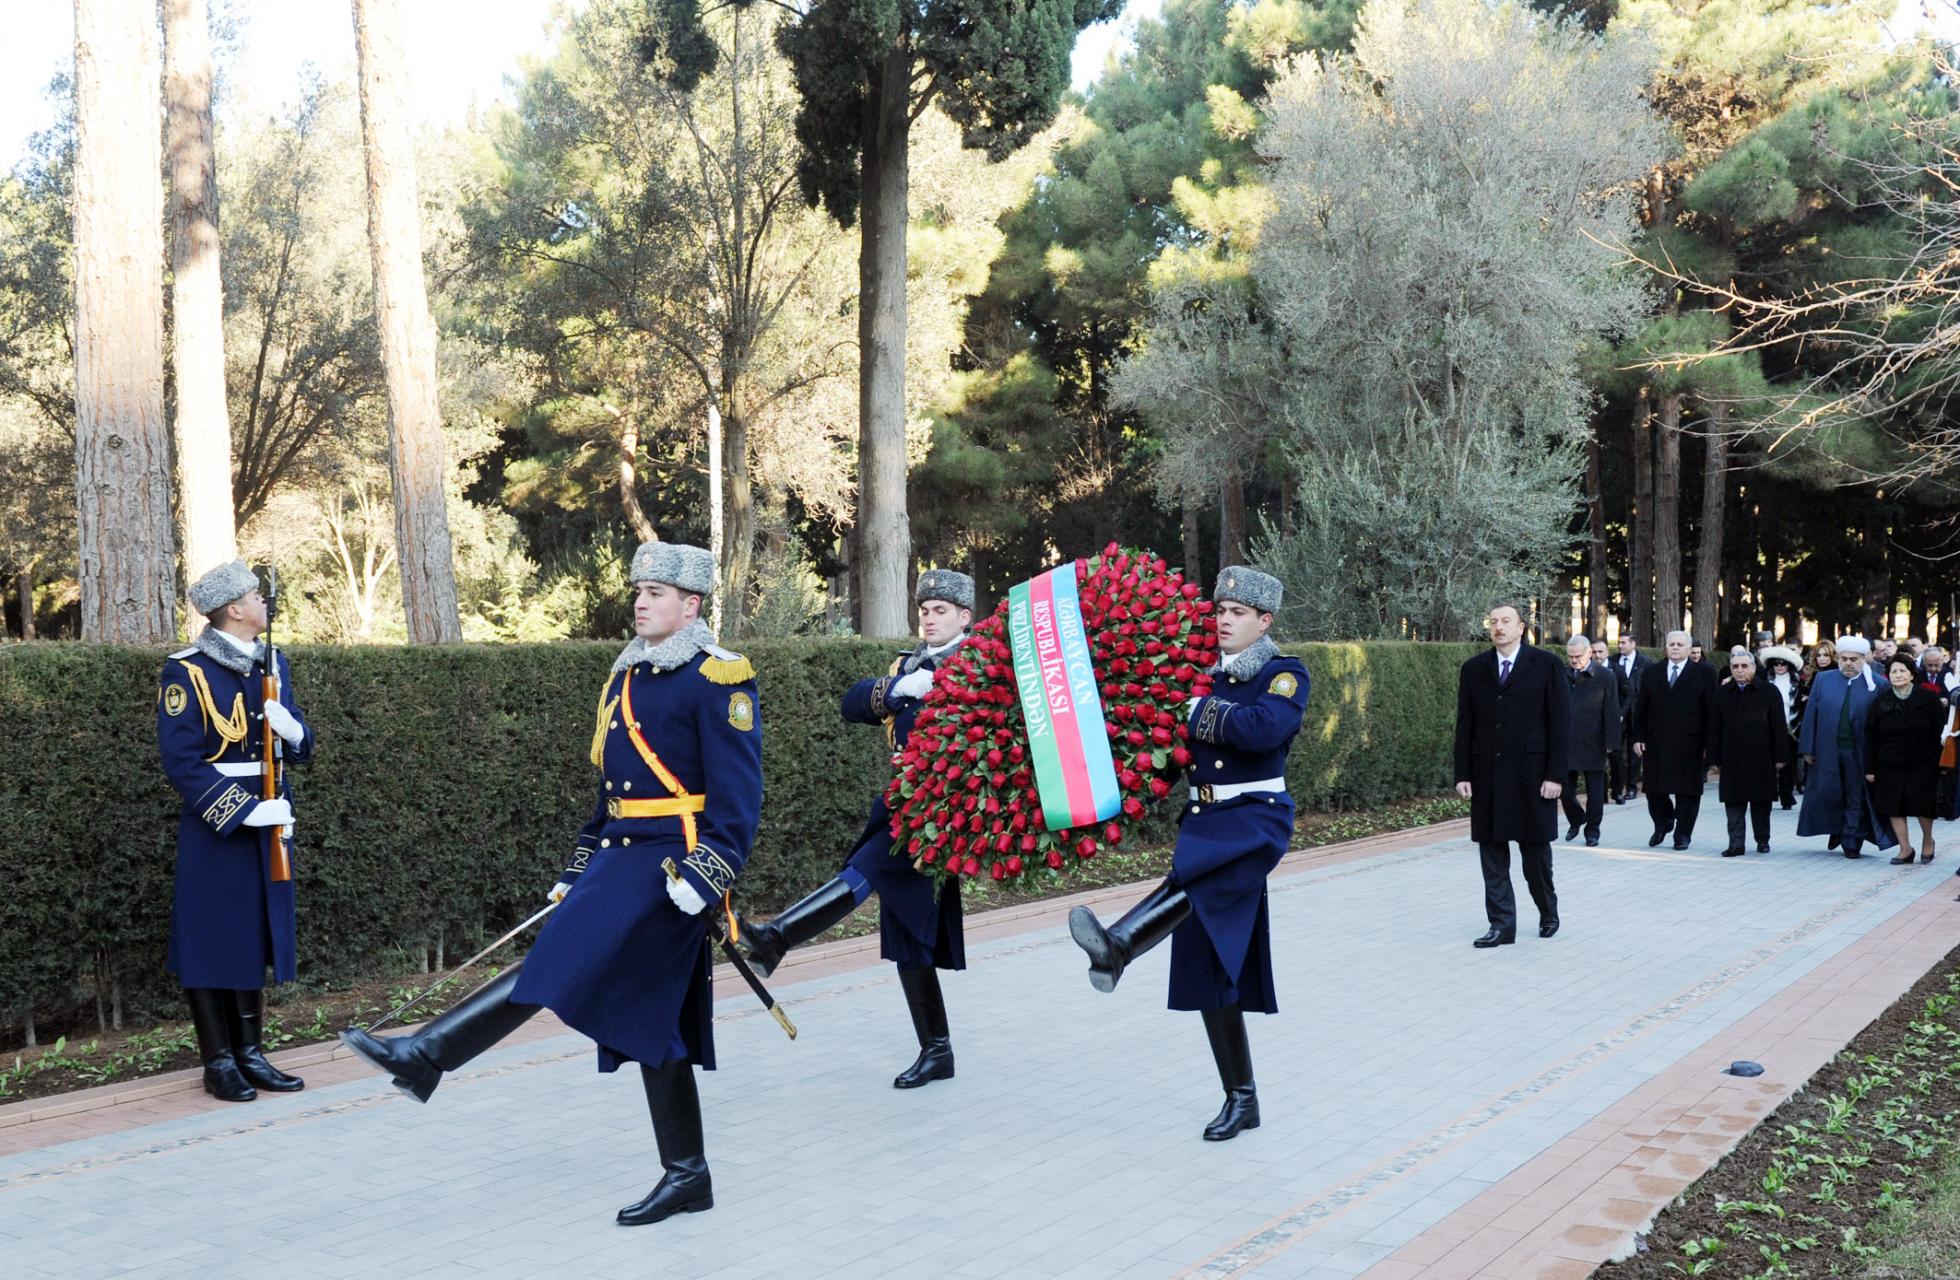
(278, 857)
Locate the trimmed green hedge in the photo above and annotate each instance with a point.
(449, 781)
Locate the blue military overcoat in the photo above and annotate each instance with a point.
(618, 961)
(1835, 802)
(228, 919)
(1222, 953)
(916, 928)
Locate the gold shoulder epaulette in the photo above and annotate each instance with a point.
(725, 667)
(606, 704)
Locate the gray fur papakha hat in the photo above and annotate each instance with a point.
(953, 587)
(676, 564)
(221, 586)
(1255, 590)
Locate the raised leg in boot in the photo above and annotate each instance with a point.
(417, 1061)
(1142, 927)
(768, 941)
(1230, 1049)
(928, 1006)
(222, 1079)
(684, 1185)
(246, 1010)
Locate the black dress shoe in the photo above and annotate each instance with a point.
(1572, 833)
(1495, 939)
(1656, 838)
(1592, 842)
(1735, 852)
(1762, 846)
(1240, 1112)
(1833, 843)
(1680, 844)
(1547, 928)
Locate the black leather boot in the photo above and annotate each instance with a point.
(685, 1186)
(222, 1079)
(928, 1006)
(1141, 927)
(246, 1013)
(768, 942)
(417, 1061)
(1225, 1028)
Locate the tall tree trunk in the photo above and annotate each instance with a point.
(416, 453)
(203, 427)
(1878, 574)
(629, 473)
(1667, 515)
(714, 511)
(1194, 550)
(738, 520)
(24, 586)
(1714, 505)
(1596, 542)
(1231, 521)
(128, 547)
(1640, 522)
(884, 532)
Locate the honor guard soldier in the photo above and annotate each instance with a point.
(1232, 832)
(918, 931)
(231, 914)
(625, 959)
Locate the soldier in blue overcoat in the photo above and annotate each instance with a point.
(1232, 832)
(229, 920)
(626, 957)
(919, 931)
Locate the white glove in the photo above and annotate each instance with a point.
(1191, 707)
(558, 891)
(284, 724)
(270, 813)
(685, 898)
(915, 685)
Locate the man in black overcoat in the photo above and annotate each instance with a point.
(1627, 665)
(1670, 735)
(1749, 741)
(1593, 693)
(1512, 725)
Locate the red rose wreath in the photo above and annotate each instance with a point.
(963, 797)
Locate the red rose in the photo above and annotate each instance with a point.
(1000, 872)
(1055, 859)
(1085, 847)
(1112, 834)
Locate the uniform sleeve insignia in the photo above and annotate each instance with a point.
(741, 711)
(175, 699)
(1284, 685)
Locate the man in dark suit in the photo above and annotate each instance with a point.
(1627, 666)
(1594, 700)
(1670, 734)
(1512, 726)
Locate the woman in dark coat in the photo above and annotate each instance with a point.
(1749, 741)
(1902, 750)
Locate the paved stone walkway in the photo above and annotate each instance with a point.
(1416, 1093)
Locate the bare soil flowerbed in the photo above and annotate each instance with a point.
(1834, 1181)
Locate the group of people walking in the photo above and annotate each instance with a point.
(625, 957)
(1875, 743)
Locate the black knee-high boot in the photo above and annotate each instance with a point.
(684, 1185)
(928, 1007)
(418, 1061)
(1230, 1049)
(246, 1010)
(222, 1079)
(770, 940)
(1142, 927)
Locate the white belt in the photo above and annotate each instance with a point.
(244, 769)
(1213, 792)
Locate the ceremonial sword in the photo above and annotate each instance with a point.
(446, 978)
(742, 966)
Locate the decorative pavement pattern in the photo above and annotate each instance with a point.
(1429, 1110)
